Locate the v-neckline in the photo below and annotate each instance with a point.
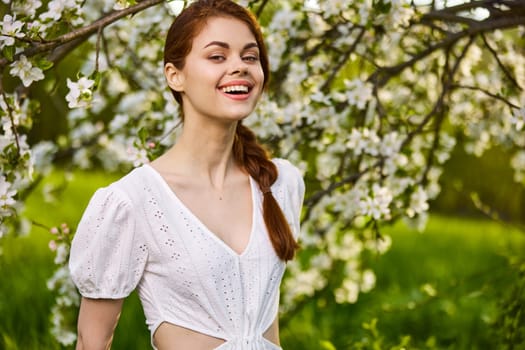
(208, 231)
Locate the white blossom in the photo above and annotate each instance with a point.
(81, 158)
(136, 102)
(348, 292)
(320, 97)
(283, 20)
(118, 122)
(399, 16)
(373, 142)
(417, 222)
(297, 75)
(332, 7)
(276, 50)
(84, 131)
(80, 94)
(266, 118)
(121, 4)
(368, 281)
(55, 9)
(377, 204)
(346, 248)
(6, 193)
(518, 118)
(321, 261)
(358, 93)
(64, 337)
(62, 253)
(364, 13)
(317, 24)
(67, 297)
(11, 29)
(390, 144)
(305, 283)
(380, 244)
(23, 69)
(175, 6)
(117, 83)
(327, 165)
(42, 155)
(418, 202)
(26, 7)
(518, 163)
(137, 156)
(356, 141)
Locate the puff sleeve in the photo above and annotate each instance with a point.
(294, 188)
(108, 256)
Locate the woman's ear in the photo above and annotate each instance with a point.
(174, 77)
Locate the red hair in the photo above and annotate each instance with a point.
(247, 152)
(192, 20)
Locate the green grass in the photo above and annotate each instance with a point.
(464, 260)
(26, 263)
(24, 299)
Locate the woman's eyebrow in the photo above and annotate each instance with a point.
(250, 45)
(226, 46)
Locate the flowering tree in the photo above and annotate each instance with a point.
(367, 97)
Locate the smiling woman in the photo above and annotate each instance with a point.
(204, 231)
(212, 68)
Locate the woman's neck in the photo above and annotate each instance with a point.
(205, 152)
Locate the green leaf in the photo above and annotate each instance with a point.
(382, 6)
(44, 64)
(327, 345)
(9, 52)
(97, 78)
(143, 135)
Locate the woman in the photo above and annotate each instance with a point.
(204, 231)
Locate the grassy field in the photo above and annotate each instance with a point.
(441, 288)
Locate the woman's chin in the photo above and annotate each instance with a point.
(238, 115)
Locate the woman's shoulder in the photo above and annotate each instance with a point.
(289, 179)
(289, 189)
(287, 171)
(126, 188)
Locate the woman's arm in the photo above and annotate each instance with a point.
(97, 320)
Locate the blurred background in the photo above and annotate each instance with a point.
(457, 282)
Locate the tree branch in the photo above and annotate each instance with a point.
(500, 64)
(440, 103)
(486, 4)
(261, 8)
(310, 202)
(79, 35)
(488, 93)
(447, 17)
(342, 62)
(12, 120)
(381, 76)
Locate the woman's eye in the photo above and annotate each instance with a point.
(217, 58)
(251, 58)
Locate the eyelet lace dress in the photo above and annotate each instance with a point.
(136, 234)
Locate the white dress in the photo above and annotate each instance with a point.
(136, 233)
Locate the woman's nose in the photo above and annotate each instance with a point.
(239, 67)
(240, 71)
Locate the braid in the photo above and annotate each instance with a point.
(254, 158)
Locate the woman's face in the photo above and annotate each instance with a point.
(222, 77)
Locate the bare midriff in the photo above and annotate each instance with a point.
(172, 337)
